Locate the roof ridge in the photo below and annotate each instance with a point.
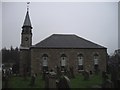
(63, 34)
(66, 41)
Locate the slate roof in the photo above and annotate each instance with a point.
(66, 41)
(27, 21)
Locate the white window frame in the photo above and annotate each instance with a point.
(45, 61)
(80, 60)
(96, 59)
(63, 61)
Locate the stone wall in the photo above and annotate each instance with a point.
(55, 54)
(25, 60)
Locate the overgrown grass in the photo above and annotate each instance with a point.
(77, 82)
(19, 82)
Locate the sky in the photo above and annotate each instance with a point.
(94, 21)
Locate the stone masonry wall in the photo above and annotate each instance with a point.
(55, 54)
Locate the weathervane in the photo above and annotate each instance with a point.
(28, 6)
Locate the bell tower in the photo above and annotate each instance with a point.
(26, 35)
(26, 43)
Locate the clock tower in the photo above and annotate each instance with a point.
(26, 43)
(26, 35)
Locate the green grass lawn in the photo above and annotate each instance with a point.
(19, 82)
(77, 82)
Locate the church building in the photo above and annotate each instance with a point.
(59, 50)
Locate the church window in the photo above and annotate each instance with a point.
(45, 60)
(80, 61)
(95, 59)
(63, 60)
(96, 62)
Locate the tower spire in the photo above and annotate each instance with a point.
(27, 21)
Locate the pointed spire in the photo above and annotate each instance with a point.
(27, 21)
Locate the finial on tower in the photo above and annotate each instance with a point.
(28, 6)
(27, 18)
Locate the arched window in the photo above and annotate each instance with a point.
(45, 62)
(96, 59)
(96, 62)
(63, 60)
(80, 61)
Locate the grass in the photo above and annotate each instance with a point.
(19, 82)
(77, 82)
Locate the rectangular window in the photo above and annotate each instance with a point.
(80, 62)
(95, 61)
(62, 62)
(45, 63)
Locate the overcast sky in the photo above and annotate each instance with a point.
(94, 21)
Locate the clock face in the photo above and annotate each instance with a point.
(26, 38)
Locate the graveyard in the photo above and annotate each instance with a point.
(109, 79)
(94, 81)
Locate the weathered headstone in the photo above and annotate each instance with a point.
(52, 79)
(64, 82)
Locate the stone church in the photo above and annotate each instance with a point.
(59, 50)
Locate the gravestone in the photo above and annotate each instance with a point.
(52, 79)
(64, 82)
